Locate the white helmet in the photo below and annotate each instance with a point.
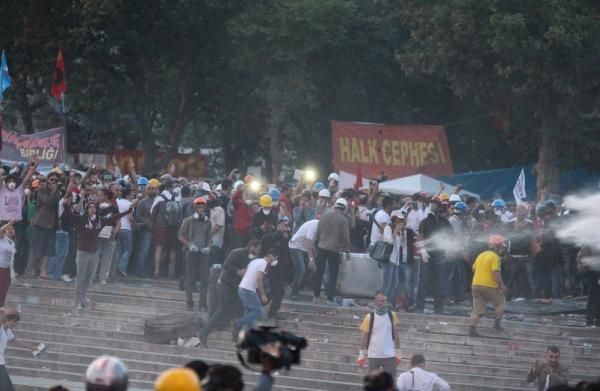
(341, 202)
(325, 193)
(238, 184)
(455, 198)
(333, 176)
(106, 373)
(205, 187)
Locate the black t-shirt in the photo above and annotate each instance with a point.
(431, 227)
(520, 237)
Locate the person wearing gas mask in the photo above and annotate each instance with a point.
(265, 220)
(11, 209)
(195, 236)
(281, 275)
(433, 228)
(380, 339)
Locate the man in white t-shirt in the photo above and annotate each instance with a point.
(125, 236)
(380, 341)
(419, 379)
(252, 291)
(302, 247)
(217, 232)
(381, 220)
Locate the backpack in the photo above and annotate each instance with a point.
(173, 213)
(372, 321)
(371, 222)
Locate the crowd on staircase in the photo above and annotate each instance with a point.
(253, 242)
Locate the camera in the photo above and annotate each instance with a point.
(280, 347)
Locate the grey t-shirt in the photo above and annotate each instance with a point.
(196, 230)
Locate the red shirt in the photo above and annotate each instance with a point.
(243, 213)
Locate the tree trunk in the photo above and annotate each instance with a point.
(546, 169)
(274, 152)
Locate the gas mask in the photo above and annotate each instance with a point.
(266, 211)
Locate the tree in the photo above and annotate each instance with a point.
(543, 55)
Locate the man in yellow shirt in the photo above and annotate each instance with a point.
(487, 284)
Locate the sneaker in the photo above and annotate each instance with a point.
(295, 298)
(122, 273)
(103, 282)
(79, 306)
(498, 327)
(66, 278)
(203, 341)
(473, 332)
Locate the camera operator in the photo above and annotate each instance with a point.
(247, 291)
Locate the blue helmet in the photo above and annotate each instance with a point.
(319, 186)
(460, 207)
(275, 194)
(142, 181)
(498, 203)
(550, 204)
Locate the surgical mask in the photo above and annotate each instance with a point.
(196, 215)
(248, 202)
(267, 211)
(498, 212)
(104, 205)
(275, 262)
(27, 192)
(381, 309)
(11, 185)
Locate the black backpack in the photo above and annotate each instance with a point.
(372, 321)
(173, 213)
(371, 222)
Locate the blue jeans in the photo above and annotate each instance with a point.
(142, 251)
(299, 261)
(252, 308)
(407, 287)
(126, 243)
(390, 281)
(55, 264)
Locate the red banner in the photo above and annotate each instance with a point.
(186, 165)
(398, 150)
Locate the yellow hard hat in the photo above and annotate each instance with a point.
(153, 182)
(266, 201)
(178, 379)
(444, 197)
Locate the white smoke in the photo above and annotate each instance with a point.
(583, 227)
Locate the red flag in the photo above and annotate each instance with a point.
(59, 83)
(358, 184)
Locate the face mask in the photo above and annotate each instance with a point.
(248, 202)
(93, 217)
(104, 205)
(275, 262)
(498, 212)
(196, 215)
(11, 185)
(27, 192)
(381, 309)
(266, 211)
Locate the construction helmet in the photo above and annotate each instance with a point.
(499, 203)
(497, 240)
(178, 379)
(265, 201)
(199, 201)
(341, 203)
(142, 181)
(460, 208)
(154, 183)
(455, 198)
(325, 193)
(275, 194)
(248, 178)
(444, 197)
(106, 373)
(333, 177)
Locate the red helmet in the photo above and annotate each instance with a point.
(199, 201)
(497, 240)
(436, 199)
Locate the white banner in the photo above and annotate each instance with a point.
(519, 189)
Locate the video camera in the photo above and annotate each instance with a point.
(281, 348)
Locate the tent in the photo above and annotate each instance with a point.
(416, 183)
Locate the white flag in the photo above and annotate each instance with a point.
(519, 190)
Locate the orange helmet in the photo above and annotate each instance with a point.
(248, 178)
(35, 184)
(497, 240)
(199, 201)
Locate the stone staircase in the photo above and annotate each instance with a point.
(114, 325)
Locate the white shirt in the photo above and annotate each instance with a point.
(217, 217)
(423, 381)
(6, 335)
(414, 218)
(381, 344)
(307, 230)
(124, 206)
(250, 280)
(381, 217)
(7, 252)
(400, 247)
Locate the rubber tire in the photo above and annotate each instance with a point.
(166, 328)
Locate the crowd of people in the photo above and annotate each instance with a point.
(261, 241)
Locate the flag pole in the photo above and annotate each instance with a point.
(62, 100)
